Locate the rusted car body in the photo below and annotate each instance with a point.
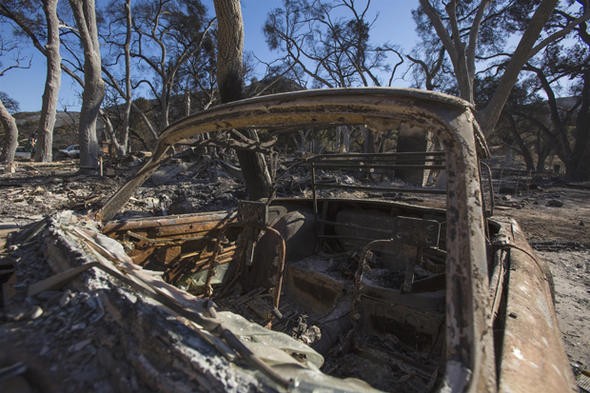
(385, 295)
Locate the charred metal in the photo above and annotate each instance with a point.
(324, 293)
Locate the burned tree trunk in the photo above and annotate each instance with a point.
(411, 139)
(85, 16)
(230, 76)
(11, 141)
(230, 37)
(128, 86)
(44, 151)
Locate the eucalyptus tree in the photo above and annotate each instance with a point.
(119, 36)
(327, 43)
(430, 69)
(84, 12)
(38, 21)
(564, 69)
(10, 128)
(167, 33)
(230, 77)
(330, 50)
(115, 38)
(44, 150)
(522, 127)
(9, 50)
(475, 34)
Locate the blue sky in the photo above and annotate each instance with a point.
(394, 25)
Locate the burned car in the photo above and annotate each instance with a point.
(326, 293)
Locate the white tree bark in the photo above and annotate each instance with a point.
(44, 151)
(11, 140)
(230, 38)
(462, 54)
(85, 16)
(111, 136)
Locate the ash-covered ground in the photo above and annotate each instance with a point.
(555, 216)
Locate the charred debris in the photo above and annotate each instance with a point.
(345, 279)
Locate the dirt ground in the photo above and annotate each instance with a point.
(557, 223)
(555, 218)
